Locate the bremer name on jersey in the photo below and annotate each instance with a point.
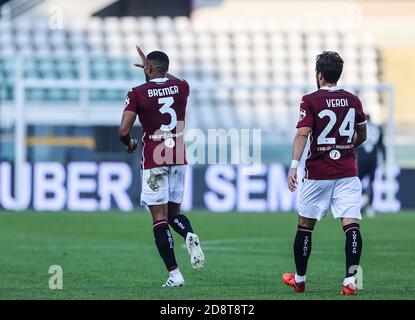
(161, 107)
(332, 114)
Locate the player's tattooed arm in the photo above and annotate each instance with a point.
(127, 122)
(144, 62)
(360, 135)
(300, 141)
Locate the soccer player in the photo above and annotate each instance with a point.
(160, 105)
(334, 121)
(367, 162)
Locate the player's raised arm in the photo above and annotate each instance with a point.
(300, 141)
(127, 122)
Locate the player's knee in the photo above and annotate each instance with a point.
(158, 212)
(350, 221)
(306, 222)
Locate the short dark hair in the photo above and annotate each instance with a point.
(159, 60)
(330, 65)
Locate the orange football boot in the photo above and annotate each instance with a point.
(289, 280)
(349, 290)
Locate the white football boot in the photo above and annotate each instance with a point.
(197, 258)
(175, 279)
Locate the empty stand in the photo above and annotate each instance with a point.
(229, 64)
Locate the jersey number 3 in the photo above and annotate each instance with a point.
(166, 103)
(346, 128)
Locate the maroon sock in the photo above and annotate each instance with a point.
(165, 243)
(352, 248)
(302, 249)
(181, 224)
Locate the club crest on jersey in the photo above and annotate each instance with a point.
(169, 143)
(302, 114)
(335, 154)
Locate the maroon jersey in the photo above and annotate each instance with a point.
(332, 114)
(161, 107)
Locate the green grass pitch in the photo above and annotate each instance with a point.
(112, 256)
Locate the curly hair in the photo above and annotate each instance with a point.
(330, 65)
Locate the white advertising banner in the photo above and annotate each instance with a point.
(91, 186)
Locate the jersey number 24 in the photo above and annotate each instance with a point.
(346, 128)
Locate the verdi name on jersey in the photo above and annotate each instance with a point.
(333, 103)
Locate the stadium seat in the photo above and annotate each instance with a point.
(234, 52)
(209, 114)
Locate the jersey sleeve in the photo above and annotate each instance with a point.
(360, 115)
(186, 87)
(306, 114)
(131, 102)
